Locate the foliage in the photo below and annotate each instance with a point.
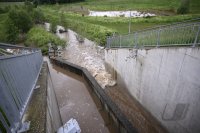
(98, 28)
(39, 37)
(53, 26)
(91, 31)
(21, 19)
(35, 3)
(38, 16)
(17, 19)
(184, 7)
(12, 31)
(58, 1)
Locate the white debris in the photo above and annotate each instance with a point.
(120, 14)
(87, 55)
(70, 127)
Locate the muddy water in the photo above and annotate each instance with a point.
(76, 101)
(88, 55)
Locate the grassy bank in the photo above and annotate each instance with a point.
(141, 5)
(74, 16)
(39, 37)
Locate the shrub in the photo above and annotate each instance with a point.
(39, 37)
(53, 26)
(35, 3)
(38, 16)
(12, 32)
(21, 19)
(184, 7)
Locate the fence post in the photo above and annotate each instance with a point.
(120, 43)
(158, 37)
(107, 45)
(135, 40)
(196, 38)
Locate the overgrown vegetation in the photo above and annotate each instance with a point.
(94, 32)
(98, 28)
(184, 7)
(18, 20)
(74, 16)
(40, 37)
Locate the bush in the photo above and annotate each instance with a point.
(38, 16)
(184, 7)
(35, 3)
(53, 26)
(12, 32)
(21, 19)
(4, 9)
(39, 37)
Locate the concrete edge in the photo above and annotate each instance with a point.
(121, 118)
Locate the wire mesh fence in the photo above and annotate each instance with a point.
(173, 35)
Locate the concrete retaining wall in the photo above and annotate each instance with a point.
(165, 81)
(114, 113)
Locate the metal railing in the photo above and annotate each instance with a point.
(179, 34)
(18, 76)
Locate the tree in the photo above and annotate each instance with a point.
(12, 31)
(35, 3)
(21, 19)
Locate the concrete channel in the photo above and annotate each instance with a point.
(81, 97)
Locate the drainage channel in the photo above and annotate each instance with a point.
(114, 120)
(77, 100)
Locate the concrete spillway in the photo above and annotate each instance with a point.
(76, 101)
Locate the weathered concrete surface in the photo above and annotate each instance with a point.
(76, 102)
(36, 109)
(165, 81)
(136, 114)
(114, 114)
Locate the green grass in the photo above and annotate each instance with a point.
(172, 36)
(98, 28)
(118, 24)
(92, 31)
(167, 5)
(39, 37)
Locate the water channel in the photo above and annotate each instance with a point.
(76, 101)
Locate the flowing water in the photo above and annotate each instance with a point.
(76, 101)
(88, 55)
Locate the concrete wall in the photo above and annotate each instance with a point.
(166, 81)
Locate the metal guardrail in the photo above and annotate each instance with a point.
(18, 76)
(179, 34)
